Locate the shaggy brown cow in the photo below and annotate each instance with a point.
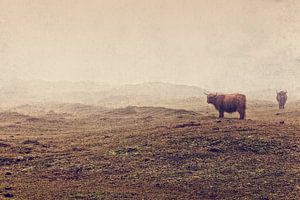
(281, 98)
(228, 103)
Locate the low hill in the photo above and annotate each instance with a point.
(61, 108)
(19, 92)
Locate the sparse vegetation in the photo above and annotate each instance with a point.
(149, 153)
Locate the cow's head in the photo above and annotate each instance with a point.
(211, 97)
(281, 93)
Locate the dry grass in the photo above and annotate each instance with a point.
(150, 153)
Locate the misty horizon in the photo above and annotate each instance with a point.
(108, 84)
(20, 92)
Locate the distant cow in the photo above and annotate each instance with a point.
(228, 103)
(281, 98)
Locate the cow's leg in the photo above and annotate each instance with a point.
(242, 114)
(281, 106)
(221, 114)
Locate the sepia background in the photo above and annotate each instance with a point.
(234, 45)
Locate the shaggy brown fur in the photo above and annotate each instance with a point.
(281, 98)
(228, 103)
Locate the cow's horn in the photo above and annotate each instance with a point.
(205, 93)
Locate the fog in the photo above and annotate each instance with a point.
(223, 45)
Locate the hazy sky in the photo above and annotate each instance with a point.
(232, 44)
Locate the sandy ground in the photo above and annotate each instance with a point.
(149, 153)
